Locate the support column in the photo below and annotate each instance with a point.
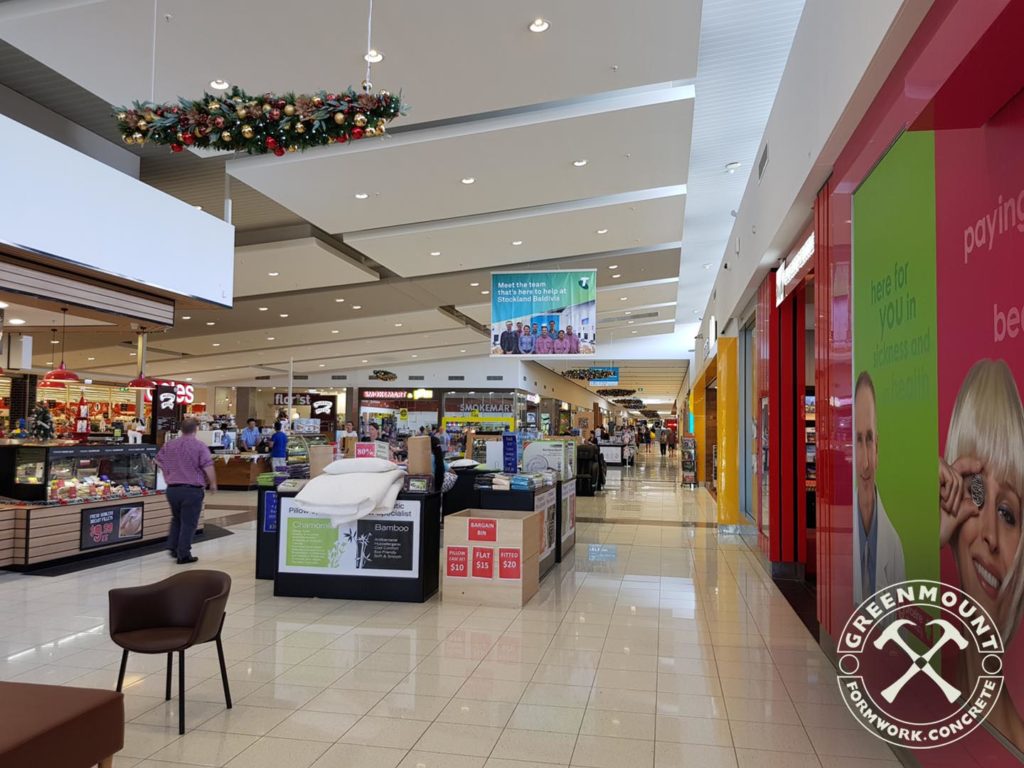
(728, 412)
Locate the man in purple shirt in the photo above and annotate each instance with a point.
(188, 468)
(561, 344)
(573, 339)
(544, 345)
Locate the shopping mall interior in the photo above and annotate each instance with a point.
(511, 385)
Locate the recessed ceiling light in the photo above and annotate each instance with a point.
(540, 25)
(15, 321)
(696, 311)
(49, 362)
(220, 85)
(361, 195)
(263, 309)
(4, 305)
(339, 301)
(613, 266)
(579, 163)
(629, 312)
(733, 166)
(398, 325)
(366, 361)
(357, 306)
(322, 365)
(485, 292)
(631, 322)
(616, 275)
(283, 314)
(474, 285)
(335, 331)
(270, 338)
(462, 350)
(623, 298)
(210, 322)
(415, 355)
(373, 56)
(198, 207)
(92, 358)
(707, 266)
(468, 180)
(188, 378)
(132, 354)
(602, 231)
(633, 331)
(435, 253)
(186, 317)
(517, 242)
(216, 344)
(273, 274)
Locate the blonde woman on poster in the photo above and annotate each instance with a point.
(981, 487)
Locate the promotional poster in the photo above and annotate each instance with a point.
(544, 314)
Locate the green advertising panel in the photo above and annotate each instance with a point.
(544, 313)
(895, 442)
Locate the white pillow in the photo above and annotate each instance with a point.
(463, 463)
(350, 466)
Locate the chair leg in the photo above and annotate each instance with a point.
(124, 666)
(181, 692)
(107, 762)
(223, 672)
(170, 662)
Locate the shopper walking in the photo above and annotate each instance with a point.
(663, 440)
(279, 449)
(188, 470)
(672, 440)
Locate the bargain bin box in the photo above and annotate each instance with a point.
(491, 556)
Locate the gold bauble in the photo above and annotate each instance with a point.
(241, 113)
(360, 120)
(247, 131)
(267, 107)
(127, 139)
(214, 106)
(138, 138)
(142, 125)
(149, 115)
(300, 128)
(293, 148)
(385, 94)
(370, 132)
(380, 128)
(121, 117)
(331, 139)
(339, 117)
(226, 136)
(289, 109)
(180, 137)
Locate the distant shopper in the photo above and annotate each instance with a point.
(349, 430)
(574, 341)
(544, 345)
(188, 470)
(279, 448)
(226, 442)
(509, 341)
(672, 440)
(437, 462)
(250, 435)
(526, 341)
(561, 344)
(372, 433)
(663, 440)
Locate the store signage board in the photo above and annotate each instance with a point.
(546, 502)
(568, 510)
(270, 507)
(482, 529)
(483, 563)
(375, 545)
(510, 563)
(385, 394)
(510, 453)
(103, 526)
(298, 398)
(789, 272)
(604, 377)
(456, 559)
(185, 393)
(554, 302)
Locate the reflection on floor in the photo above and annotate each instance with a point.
(653, 646)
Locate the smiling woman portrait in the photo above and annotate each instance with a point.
(981, 485)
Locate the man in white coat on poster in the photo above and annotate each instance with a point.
(877, 549)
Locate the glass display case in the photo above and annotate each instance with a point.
(298, 447)
(62, 473)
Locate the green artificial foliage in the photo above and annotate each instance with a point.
(239, 122)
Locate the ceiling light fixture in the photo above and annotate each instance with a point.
(361, 195)
(186, 317)
(335, 331)
(283, 314)
(55, 342)
(373, 56)
(462, 350)
(474, 285)
(633, 331)
(517, 242)
(366, 361)
(628, 312)
(623, 298)
(579, 163)
(91, 358)
(398, 325)
(322, 365)
(707, 266)
(210, 322)
(468, 180)
(15, 321)
(630, 322)
(415, 355)
(616, 275)
(188, 378)
(263, 309)
(602, 231)
(216, 344)
(357, 306)
(220, 85)
(60, 376)
(733, 166)
(270, 338)
(435, 253)
(273, 274)
(613, 266)
(485, 292)
(4, 305)
(339, 301)
(540, 25)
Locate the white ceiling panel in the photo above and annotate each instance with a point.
(417, 176)
(549, 232)
(294, 265)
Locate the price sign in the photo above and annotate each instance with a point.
(483, 563)
(457, 559)
(483, 529)
(510, 563)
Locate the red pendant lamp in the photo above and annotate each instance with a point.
(142, 381)
(60, 376)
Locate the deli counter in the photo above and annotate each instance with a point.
(64, 501)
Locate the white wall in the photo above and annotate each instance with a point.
(62, 204)
(841, 55)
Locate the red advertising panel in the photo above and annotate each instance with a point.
(483, 529)
(456, 559)
(483, 563)
(510, 563)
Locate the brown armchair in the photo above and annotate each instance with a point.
(172, 615)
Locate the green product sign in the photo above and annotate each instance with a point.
(311, 541)
(895, 441)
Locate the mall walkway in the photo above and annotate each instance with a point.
(660, 643)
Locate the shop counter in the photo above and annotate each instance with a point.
(394, 556)
(565, 538)
(543, 500)
(239, 471)
(612, 453)
(34, 534)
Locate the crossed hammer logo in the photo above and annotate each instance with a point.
(921, 662)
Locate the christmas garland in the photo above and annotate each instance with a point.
(632, 403)
(382, 375)
(649, 413)
(615, 392)
(259, 125)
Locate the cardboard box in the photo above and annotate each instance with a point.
(319, 457)
(418, 449)
(491, 556)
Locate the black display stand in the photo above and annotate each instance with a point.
(463, 495)
(564, 543)
(411, 590)
(266, 532)
(526, 501)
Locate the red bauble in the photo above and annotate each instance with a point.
(279, 151)
(219, 122)
(332, 97)
(187, 138)
(342, 138)
(271, 142)
(280, 103)
(275, 114)
(177, 147)
(357, 133)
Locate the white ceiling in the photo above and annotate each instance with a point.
(616, 84)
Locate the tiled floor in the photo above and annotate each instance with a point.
(661, 643)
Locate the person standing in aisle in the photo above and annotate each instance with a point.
(672, 441)
(279, 448)
(188, 470)
(663, 440)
